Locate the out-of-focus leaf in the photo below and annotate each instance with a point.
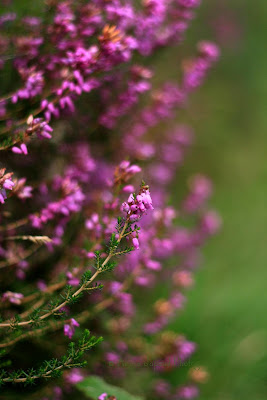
(94, 386)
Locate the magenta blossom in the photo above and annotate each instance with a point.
(22, 149)
(15, 298)
(103, 396)
(69, 329)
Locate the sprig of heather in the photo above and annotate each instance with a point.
(53, 368)
(139, 204)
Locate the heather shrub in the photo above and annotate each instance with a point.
(95, 261)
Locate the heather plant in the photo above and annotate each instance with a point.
(87, 231)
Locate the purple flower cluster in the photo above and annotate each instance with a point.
(196, 70)
(70, 202)
(69, 328)
(200, 192)
(80, 64)
(105, 396)
(81, 83)
(6, 183)
(34, 83)
(14, 298)
(136, 206)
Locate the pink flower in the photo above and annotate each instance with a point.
(136, 206)
(188, 392)
(2, 198)
(103, 396)
(69, 329)
(211, 223)
(154, 265)
(183, 279)
(209, 50)
(72, 280)
(13, 297)
(20, 150)
(128, 188)
(189, 3)
(8, 184)
(75, 376)
(136, 243)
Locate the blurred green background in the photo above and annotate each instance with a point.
(226, 311)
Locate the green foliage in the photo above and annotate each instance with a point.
(46, 317)
(93, 386)
(126, 250)
(113, 243)
(98, 260)
(53, 368)
(109, 266)
(86, 277)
